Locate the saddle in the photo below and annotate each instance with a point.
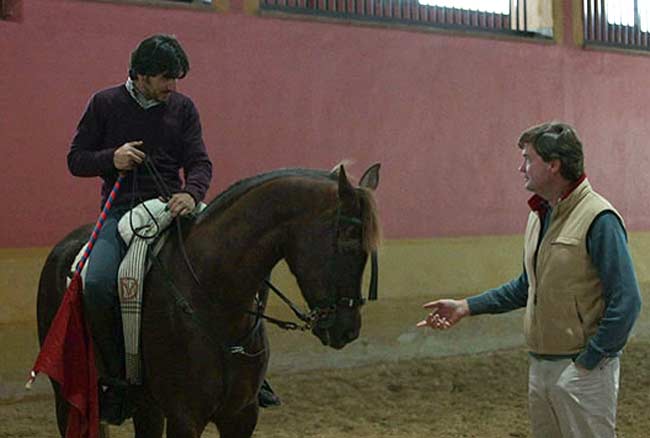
(144, 230)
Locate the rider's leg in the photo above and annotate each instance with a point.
(101, 303)
(102, 312)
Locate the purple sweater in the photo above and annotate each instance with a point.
(172, 138)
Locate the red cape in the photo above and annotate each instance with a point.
(67, 356)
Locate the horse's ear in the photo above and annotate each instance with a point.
(335, 170)
(370, 178)
(345, 188)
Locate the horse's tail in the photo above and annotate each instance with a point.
(52, 282)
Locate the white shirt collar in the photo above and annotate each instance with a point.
(139, 97)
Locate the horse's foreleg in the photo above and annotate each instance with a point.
(181, 428)
(241, 425)
(103, 431)
(148, 420)
(149, 424)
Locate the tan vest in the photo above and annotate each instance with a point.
(565, 300)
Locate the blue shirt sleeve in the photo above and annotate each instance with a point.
(507, 297)
(607, 246)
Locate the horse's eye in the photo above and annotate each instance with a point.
(349, 246)
(350, 233)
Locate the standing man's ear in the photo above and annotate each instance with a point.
(555, 165)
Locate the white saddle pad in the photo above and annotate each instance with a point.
(139, 227)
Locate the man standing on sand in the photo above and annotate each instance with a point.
(578, 286)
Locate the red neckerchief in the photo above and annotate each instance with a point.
(540, 205)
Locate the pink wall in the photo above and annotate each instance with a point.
(440, 112)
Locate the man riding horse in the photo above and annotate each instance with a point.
(144, 118)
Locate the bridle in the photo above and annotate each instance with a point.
(323, 313)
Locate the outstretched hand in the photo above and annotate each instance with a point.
(444, 313)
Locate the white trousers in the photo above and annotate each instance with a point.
(567, 402)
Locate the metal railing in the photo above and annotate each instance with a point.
(412, 12)
(628, 29)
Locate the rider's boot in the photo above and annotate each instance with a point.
(108, 341)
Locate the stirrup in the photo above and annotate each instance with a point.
(266, 397)
(114, 404)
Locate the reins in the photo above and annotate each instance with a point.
(179, 299)
(319, 312)
(307, 319)
(184, 304)
(166, 195)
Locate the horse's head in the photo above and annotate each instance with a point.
(328, 255)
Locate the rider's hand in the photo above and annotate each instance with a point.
(444, 313)
(181, 204)
(128, 156)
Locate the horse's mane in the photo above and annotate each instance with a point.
(370, 220)
(226, 198)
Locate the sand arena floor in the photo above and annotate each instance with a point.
(481, 395)
(395, 381)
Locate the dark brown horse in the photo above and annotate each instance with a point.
(205, 352)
